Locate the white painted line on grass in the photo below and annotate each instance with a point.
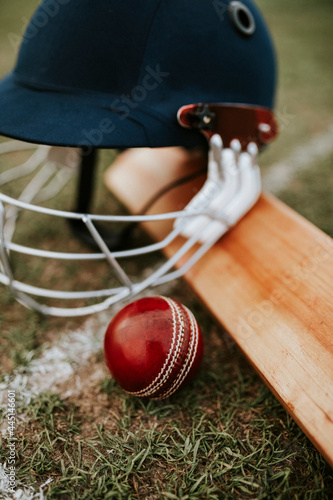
(58, 363)
(302, 158)
(22, 492)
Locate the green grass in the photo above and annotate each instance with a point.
(225, 436)
(302, 35)
(311, 194)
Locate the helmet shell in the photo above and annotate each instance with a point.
(115, 74)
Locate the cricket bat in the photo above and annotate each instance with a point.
(268, 282)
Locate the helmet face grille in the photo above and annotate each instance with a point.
(35, 243)
(48, 270)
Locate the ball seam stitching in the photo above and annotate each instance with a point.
(190, 357)
(161, 378)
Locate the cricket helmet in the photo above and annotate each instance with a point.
(134, 74)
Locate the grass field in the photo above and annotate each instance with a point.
(226, 436)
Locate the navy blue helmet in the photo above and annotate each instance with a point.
(115, 73)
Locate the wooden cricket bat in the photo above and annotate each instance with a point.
(268, 281)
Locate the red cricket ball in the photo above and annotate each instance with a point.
(153, 347)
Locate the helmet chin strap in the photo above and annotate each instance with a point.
(232, 187)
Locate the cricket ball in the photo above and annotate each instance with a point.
(153, 347)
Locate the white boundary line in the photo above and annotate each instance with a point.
(58, 362)
(302, 158)
(21, 493)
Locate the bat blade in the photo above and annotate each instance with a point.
(268, 282)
